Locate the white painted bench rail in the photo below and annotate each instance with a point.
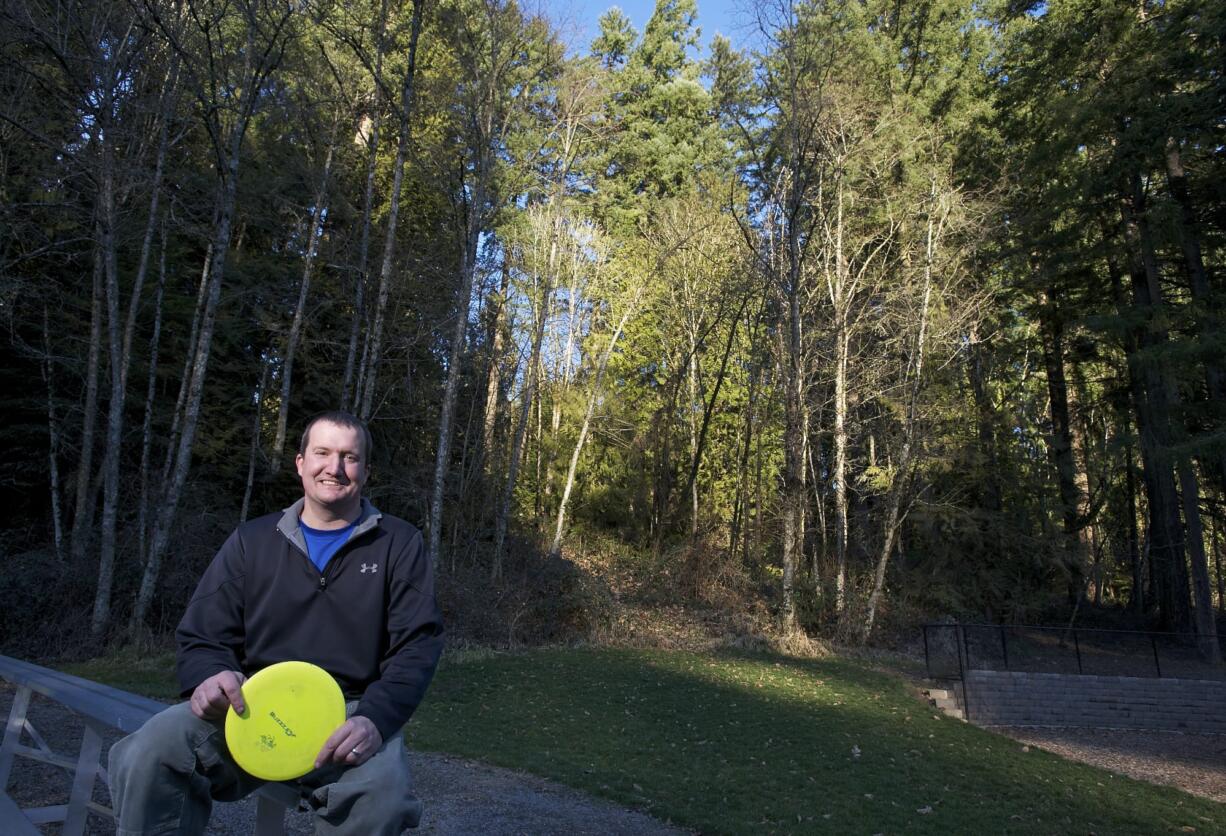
(101, 707)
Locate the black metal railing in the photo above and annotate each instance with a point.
(950, 650)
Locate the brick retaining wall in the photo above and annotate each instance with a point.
(1122, 702)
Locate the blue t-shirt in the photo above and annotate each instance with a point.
(322, 544)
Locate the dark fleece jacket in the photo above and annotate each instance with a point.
(370, 619)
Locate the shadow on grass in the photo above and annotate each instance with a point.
(737, 743)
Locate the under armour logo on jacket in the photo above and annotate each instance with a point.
(370, 567)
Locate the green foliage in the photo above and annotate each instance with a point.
(612, 46)
(944, 174)
(660, 116)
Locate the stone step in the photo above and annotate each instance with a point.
(946, 699)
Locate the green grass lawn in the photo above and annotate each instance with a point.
(733, 743)
(151, 674)
(740, 743)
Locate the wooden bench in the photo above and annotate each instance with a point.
(100, 707)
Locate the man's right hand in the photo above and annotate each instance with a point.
(217, 693)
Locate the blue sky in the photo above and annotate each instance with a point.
(578, 19)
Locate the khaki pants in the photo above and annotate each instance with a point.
(165, 777)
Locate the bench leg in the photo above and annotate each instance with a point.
(12, 734)
(269, 817)
(83, 782)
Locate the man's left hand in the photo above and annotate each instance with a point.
(354, 743)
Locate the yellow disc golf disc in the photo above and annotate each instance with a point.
(291, 709)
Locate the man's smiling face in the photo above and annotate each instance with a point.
(333, 470)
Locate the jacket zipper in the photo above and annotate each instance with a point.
(323, 576)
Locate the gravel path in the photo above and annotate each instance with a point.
(461, 797)
(1195, 763)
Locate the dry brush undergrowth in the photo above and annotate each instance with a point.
(690, 596)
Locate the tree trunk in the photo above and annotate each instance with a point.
(82, 519)
(468, 267)
(1153, 418)
(173, 489)
(701, 442)
(114, 426)
(146, 445)
(521, 426)
(408, 102)
(255, 72)
(890, 531)
(1206, 626)
(822, 550)
(555, 548)
(793, 368)
(662, 463)
(793, 499)
(350, 390)
(1206, 308)
(121, 346)
(691, 488)
(493, 385)
(193, 342)
(1064, 442)
(166, 114)
(295, 328)
(538, 509)
(53, 447)
(564, 379)
(753, 525)
(262, 51)
(1217, 566)
(985, 412)
(902, 473)
(481, 156)
(254, 452)
(839, 476)
(740, 516)
(1137, 600)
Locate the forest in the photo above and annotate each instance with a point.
(896, 311)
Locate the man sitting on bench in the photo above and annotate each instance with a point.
(331, 581)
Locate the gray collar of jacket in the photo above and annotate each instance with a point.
(290, 519)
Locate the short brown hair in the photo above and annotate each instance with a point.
(341, 419)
